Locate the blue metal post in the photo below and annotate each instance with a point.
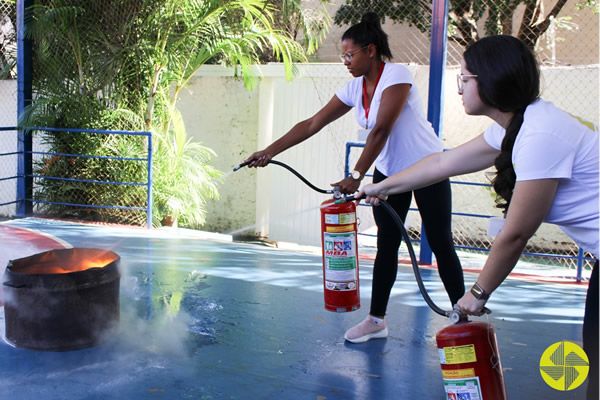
(24, 95)
(149, 210)
(579, 264)
(435, 108)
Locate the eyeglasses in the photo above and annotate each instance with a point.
(347, 57)
(460, 80)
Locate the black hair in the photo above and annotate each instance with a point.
(508, 79)
(368, 31)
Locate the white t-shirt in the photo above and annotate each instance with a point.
(554, 144)
(412, 137)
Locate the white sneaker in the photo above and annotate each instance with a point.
(368, 329)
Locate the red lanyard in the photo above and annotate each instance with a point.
(365, 97)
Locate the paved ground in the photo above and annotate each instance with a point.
(205, 318)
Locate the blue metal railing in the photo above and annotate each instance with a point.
(580, 257)
(147, 160)
(13, 153)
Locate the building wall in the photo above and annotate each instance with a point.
(222, 115)
(273, 203)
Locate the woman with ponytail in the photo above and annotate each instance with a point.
(388, 109)
(547, 164)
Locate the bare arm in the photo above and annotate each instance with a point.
(300, 132)
(530, 203)
(392, 102)
(472, 156)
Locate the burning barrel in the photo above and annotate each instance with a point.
(61, 299)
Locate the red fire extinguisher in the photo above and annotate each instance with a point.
(340, 248)
(471, 366)
(340, 256)
(468, 350)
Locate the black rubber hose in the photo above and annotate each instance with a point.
(454, 314)
(292, 170)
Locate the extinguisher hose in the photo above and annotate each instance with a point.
(455, 315)
(293, 171)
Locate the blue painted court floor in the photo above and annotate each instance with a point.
(206, 318)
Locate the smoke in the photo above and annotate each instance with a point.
(165, 320)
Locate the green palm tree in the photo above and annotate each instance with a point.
(123, 64)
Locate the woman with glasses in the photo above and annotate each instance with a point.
(387, 107)
(547, 170)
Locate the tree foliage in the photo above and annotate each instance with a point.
(307, 25)
(122, 65)
(468, 19)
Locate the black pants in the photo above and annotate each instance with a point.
(590, 333)
(434, 203)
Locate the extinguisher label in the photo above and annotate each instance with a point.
(340, 219)
(458, 389)
(340, 259)
(458, 373)
(458, 354)
(341, 228)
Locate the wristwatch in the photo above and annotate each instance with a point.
(479, 293)
(356, 175)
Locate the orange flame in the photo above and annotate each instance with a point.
(76, 260)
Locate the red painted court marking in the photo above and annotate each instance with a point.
(20, 242)
(517, 275)
(13, 237)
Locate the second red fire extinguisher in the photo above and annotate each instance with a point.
(471, 366)
(340, 256)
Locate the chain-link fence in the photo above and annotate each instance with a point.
(8, 39)
(92, 175)
(8, 108)
(564, 36)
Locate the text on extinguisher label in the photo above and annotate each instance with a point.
(458, 354)
(466, 388)
(458, 373)
(340, 219)
(340, 256)
(341, 228)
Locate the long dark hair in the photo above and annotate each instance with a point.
(508, 79)
(368, 31)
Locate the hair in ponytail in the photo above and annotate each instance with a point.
(368, 31)
(508, 79)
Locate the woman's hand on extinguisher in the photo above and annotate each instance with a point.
(259, 159)
(347, 185)
(369, 193)
(469, 305)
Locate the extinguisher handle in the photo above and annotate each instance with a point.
(456, 316)
(346, 199)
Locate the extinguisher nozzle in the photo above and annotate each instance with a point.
(241, 165)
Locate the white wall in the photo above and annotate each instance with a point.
(271, 202)
(220, 113)
(223, 116)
